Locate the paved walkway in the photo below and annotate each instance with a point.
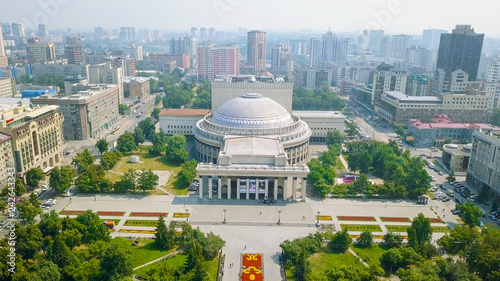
(359, 258)
(182, 249)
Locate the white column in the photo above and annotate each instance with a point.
(304, 187)
(219, 188)
(248, 189)
(238, 188)
(294, 189)
(200, 188)
(228, 187)
(267, 188)
(257, 182)
(285, 183)
(275, 188)
(210, 188)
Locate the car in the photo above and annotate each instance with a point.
(423, 155)
(459, 201)
(45, 188)
(45, 206)
(67, 153)
(446, 199)
(434, 189)
(442, 186)
(498, 221)
(456, 212)
(433, 178)
(193, 188)
(440, 173)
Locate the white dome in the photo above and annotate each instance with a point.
(252, 111)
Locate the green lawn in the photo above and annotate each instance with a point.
(151, 223)
(112, 177)
(179, 261)
(402, 228)
(319, 262)
(143, 253)
(374, 253)
(361, 227)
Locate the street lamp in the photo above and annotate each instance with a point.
(187, 215)
(279, 217)
(317, 218)
(224, 221)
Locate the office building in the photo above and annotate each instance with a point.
(6, 159)
(36, 133)
(386, 78)
(315, 49)
(38, 52)
(398, 108)
(60, 69)
(183, 45)
(385, 47)
(298, 46)
(203, 34)
(484, 163)
(374, 40)
(216, 60)
(256, 50)
(89, 113)
(98, 33)
(455, 82)
(194, 32)
(180, 121)
(431, 37)
(6, 29)
(460, 49)
(73, 49)
(418, 85)
(43, 30)
(321, 122)
(232, 86)
(312, 78)
(282, 59)
(456, 157)
(107, 73)
(7, 87)
(493, 71)
(399, 45)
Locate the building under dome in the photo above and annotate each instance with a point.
(253, 146)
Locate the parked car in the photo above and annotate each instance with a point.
(456, 212)
(440, 173)
(459, 201)
(446, 199)
(442, 186)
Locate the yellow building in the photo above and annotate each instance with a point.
(37, 139)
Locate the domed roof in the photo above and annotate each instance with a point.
(252, 111)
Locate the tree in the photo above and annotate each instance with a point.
(156, 113)
(148, 128)
(55, 180)
(155, 151)
(494, 205)
(187, 174)
(44, 271)
(61, 179)
(50, 224)
(122, 108)
(420, 232)
(340, 241)
(27, 211)
(451, 177)
(95, 230)
(365, 240)
(126, 142)
(115, 263)
(102, 145)
(72, 238)
(176, 151)
(3, 206)
(28, 240)
(34, 176)
(147, 180)
(110, 158)
(360, 185)
(93, 180)
(128, 181)
(58, 252)
(393, 240)
(161, 236)
(417, 180)
(400, 132)
(334, 138)
(448, 140)
(157, 100)
(195, 255)
(19, 188)
(212, 244)
(471, 214)
(83, 160)
(495, 117)
(351, 129)
(138, 136)
(33, 199)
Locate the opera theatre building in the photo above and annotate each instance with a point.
(252, 148)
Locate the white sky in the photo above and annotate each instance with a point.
(407, 16)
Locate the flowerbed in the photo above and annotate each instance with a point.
(361, 227)
(324, 218)
(436, 220)
(152, 223)
(181, 215)
(107, 213)
(395, 219)
(354, 218)
(251, 265)
(68, 212)
(137, 231)
(147, 214)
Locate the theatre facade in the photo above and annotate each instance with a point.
(252, 148)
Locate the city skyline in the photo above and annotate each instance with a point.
(393, 16)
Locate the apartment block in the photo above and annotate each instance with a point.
(6, 158)
(484, 163)
(7, 87)
(90, 113)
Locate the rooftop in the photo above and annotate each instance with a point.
(253, 146)
(443, 123)
(184, 112)
(405, 98)
(317, 114)
(4, 137)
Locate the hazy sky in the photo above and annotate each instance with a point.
(394, 16)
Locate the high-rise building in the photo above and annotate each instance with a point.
(460, 49)
(183, 45)
(73, 49)
(203, 34)
(7, 87)
(43, 30)
(134, 52)
(493, 71)
(484, 167)
(315, 52)
(282, 59)
(107, 73)
(431, 37)
(375, 40)
(216, 60)
(256, 49)
(38, 52)
(386, 79)
(399, 45)
(98, 33)
(211, 34)
(298, 46)
(127, 34)
(194, 32)
(2, 48)
(17, 30)
(385, 47)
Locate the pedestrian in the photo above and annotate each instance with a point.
(260, 213)
(444, 216)
(443, 209)
(245, 247)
